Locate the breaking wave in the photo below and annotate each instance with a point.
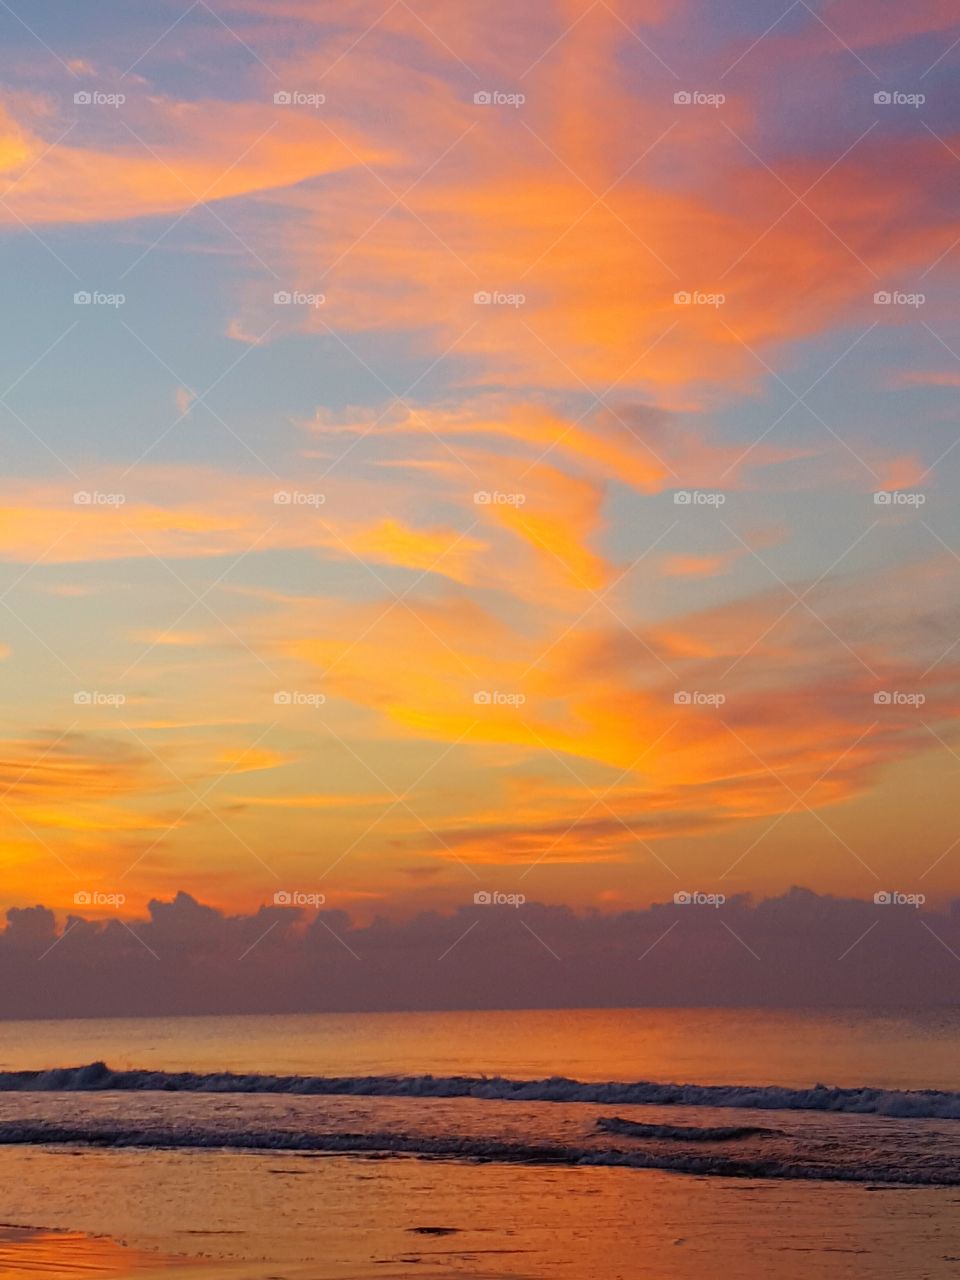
(398, 1145)
(682, 1132)
(910, 1104)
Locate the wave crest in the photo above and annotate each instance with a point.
(399, 1145)
(683, 1132)
(864, 1100)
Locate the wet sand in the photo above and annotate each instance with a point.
(30, 1252)
(242, 1215)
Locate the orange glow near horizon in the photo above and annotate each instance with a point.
(522, 466)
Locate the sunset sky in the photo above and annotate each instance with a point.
(464, 474)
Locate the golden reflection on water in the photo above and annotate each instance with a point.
(797, 1048)
(29, 1252)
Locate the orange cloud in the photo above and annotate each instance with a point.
(391, 542)
(796, 714)
(586, 247)
(165, 156)
(687, 566)
(250, 760)
(927, 378)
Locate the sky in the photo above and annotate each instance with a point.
(457, 450)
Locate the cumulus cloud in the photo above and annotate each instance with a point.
(187, 957)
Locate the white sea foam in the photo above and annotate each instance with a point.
(682, 1132)
(912, 1104)
(932, 1172)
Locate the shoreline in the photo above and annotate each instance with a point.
(244, 1215)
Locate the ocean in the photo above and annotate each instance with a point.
(733, 1142)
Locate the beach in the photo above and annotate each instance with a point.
(243, 1173)
(216, 1213)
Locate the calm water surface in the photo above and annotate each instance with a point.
(891, 1049)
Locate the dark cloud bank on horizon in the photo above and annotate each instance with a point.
(185, 957)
